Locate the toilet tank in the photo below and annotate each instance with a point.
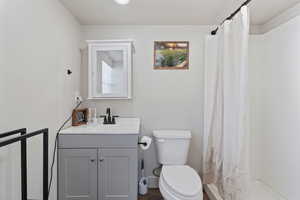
(172, 146)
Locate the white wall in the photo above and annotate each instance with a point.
(162, 99)
(276, 108)
(39, 41)
(256, 62)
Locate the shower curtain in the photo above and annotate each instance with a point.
(225, 156)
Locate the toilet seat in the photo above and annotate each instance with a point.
(180, 182)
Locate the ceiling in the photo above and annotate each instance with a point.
(170, 12)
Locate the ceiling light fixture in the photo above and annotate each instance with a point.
(122, 2)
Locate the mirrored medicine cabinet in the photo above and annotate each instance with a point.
(110, 69)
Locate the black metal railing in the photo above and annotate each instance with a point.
(22, 139)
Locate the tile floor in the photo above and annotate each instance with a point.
(154, 194)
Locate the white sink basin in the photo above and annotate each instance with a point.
(122, 126)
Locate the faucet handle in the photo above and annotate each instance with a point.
(114, 119)
(105, 119)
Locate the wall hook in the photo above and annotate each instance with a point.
(69, 72)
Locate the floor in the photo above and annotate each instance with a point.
(258, 191)
(154, 194)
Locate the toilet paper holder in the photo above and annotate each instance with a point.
(142, 143)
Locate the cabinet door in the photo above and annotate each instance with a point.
(118, 174)
(77, 174)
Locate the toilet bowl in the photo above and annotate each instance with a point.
(180, 183)
(177, 181)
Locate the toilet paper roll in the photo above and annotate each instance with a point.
(147, 140)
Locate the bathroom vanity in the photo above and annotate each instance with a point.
(99, 162)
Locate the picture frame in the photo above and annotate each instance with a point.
(171, 55)
(80, 117)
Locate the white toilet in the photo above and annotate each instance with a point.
(177, 181)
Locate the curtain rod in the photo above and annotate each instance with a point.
(214, 32)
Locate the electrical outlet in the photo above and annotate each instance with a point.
(78, 98)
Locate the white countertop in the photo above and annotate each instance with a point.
(122, 126)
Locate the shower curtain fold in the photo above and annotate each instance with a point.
(225, 156)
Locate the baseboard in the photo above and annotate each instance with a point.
(152, 182)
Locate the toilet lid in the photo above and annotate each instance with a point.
(182, 179)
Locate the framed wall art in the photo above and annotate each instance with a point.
(171, 55)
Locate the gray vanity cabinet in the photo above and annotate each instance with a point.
(97, 167)
(118, 173)
(77, 169)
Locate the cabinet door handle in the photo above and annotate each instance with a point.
(92, 160)
(101, 159)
